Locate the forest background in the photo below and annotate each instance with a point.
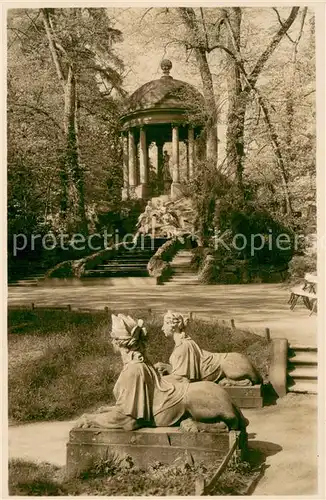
(70, 70)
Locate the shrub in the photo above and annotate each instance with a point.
(302, 264)
(27, 478)
(199, 255)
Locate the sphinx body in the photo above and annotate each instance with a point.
(145, 398)
(189, 361)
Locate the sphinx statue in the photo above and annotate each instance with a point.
(144, 398)
(189, 361)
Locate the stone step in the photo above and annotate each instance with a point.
(298, 348)
(184, 277)
(305, 386)
(24, 283)
(116, 272)
(131, 254)
(183, 272)
(124, 259)
(303, 357)
(122, 264)
(182, 283)
(303, 371)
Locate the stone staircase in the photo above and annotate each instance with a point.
(128, 263)
(302, 369)
(125, 264)
(182, 273)
(31, 278)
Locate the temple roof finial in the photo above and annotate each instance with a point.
(166, 66)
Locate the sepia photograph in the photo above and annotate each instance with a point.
(163, 293)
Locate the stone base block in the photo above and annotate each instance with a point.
(146, 446)
(141, 191)
(177, 190)
(246, 397)
(159, 200)
(125, 194)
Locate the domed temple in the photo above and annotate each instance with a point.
(159, 112)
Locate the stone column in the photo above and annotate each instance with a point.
(191, 152)
(200, 148)
(160, 172)
(175, 154)
(125, 189)
(143, 164)
(132, 162)
(176, 187)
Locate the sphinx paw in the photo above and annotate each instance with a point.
(188, 425)
(82, 423)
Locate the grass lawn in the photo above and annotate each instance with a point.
(61, 363)
(116, 478)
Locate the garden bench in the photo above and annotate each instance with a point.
(307, 291)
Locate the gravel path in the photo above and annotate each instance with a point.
(254, 307)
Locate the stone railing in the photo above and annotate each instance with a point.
(159, 265)
(77, 268)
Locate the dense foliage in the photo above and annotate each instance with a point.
(68, 71)
(63, 146)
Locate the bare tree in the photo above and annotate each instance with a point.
(198, 42)
(241, 83)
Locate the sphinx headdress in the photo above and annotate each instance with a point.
(177, 318)
(125, 327)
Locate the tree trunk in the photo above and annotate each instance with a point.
(208, 91)
(189, 19)
(289, 96)
(237, 109)
(278, 154)
(75, 194)
(237, 102)
(72, 204)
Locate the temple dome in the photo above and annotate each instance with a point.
(165, 93)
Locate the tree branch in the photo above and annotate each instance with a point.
(281, 23)
(204, 26)
(272, 46)
(33, 20)
(52, 47)
(222, 47)
(145, 13)
(38, 110)
(303, 18)
(272, 132)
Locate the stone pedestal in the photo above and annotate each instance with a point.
(125, 194)
(142, 191)
(146, 446)
(246, 397)
(177, 190)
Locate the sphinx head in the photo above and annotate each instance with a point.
(174, 322)
(128, 334)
